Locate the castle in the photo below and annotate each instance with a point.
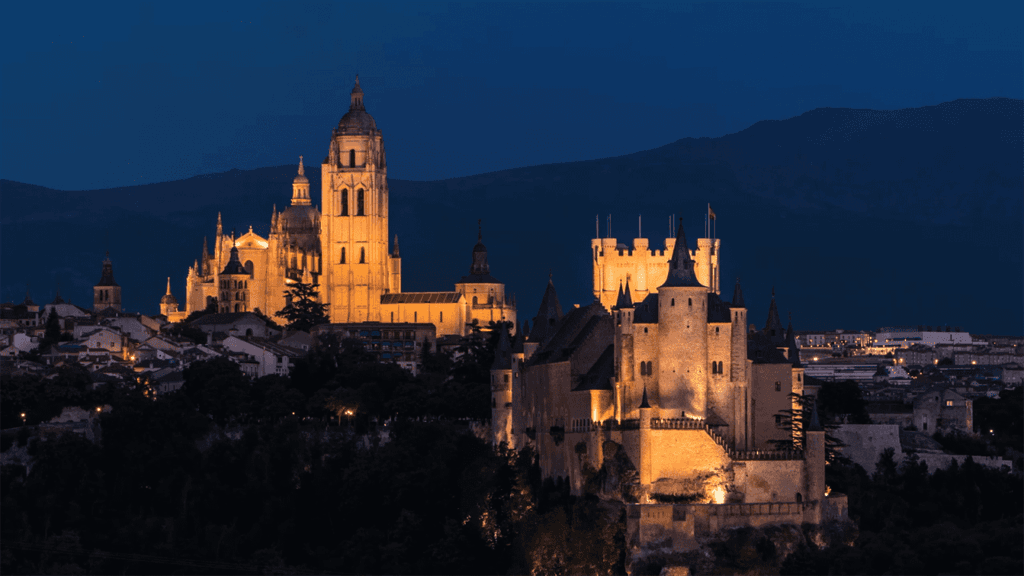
(343, 249)
(664, 399)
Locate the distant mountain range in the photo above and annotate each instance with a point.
(858, 218)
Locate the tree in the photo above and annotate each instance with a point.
(798, 419)
(304, 309)
(52, 333)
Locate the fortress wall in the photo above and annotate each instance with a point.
(770, 480)
(684, 453)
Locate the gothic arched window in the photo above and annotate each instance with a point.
(352, 158)
(344, 201)
(362, 255)
(359, 203)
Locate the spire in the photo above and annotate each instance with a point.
(28, 296)
(300, 187)
(357, 96)
(58, 299)
(302, 169)
(737, 295)
(169, 298)
(643, 401)
(479, 266)
(680, 266)
(220, 226)
(168, 286)
(395, 253)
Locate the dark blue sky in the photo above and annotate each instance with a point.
(104, 95)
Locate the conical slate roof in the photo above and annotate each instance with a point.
(773, 326)
(737, 295)
(643, 401)
(680, 266)
(548, 315)
(625, 299)
(503, 353)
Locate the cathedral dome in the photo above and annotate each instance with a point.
(299, 219)
(357, 120)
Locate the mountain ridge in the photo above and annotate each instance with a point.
(911, 185)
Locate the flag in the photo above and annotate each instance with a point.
(711, 213)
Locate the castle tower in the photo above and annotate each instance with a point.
(738, 373)
(645, 441)
(682, 338)
(354, 234)
(545, 322)
(233, 295)
(106, 293)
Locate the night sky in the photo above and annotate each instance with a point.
(103, 95)
(115, 95)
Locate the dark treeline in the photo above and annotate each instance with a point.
(221, 477)
(960, 520)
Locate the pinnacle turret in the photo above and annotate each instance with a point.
(625, 299)
(773, 326)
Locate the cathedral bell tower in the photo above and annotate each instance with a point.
(357, 268)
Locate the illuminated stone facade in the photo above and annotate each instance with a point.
(344, 249)
(670, 399)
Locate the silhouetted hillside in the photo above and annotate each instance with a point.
(859, 218)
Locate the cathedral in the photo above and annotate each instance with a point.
(342, 247)
(665, 399)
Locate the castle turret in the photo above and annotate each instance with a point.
(501, 391)
(646, 416)
(106, 294)
(814, 466)
(682, 338)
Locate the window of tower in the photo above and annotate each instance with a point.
(474, 301)
(359, 203)
(673, 303)
(352, 158)
(690, 302)
(778, 386)
(249, 267)
(441, 317)
(342, 254)
(344, 202)
(362, 255)
(415, 317)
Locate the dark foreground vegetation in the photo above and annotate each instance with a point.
(222, 477)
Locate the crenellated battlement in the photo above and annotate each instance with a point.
(645, 268)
